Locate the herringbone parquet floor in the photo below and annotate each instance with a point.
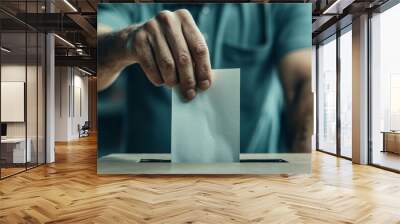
(69, 191)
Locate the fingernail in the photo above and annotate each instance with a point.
(204, 84)
(190, 94)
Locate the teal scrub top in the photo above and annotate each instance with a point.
(135, 117)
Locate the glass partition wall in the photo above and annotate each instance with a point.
(334, 94)
(13, 109)
(385, 89)
(22, 76)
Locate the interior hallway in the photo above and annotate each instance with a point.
(70, 191)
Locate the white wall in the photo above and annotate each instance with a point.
(17, 72)
(13, 101)
(14, 72)
(61, 103)
(79, 117)
(70, 84)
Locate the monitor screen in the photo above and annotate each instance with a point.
(3, 129)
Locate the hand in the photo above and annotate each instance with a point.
(171, 50)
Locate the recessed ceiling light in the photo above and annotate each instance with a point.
(337, 7)
(65, 41)
(70, 5)
(5, 49)
(84, 71)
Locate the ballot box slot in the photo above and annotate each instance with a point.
(242, 161)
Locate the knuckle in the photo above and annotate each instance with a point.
(140, 36)
(189, 83)
(170, 80)
(151, 25)
(183, 13)
(200, 49)
(165, 16)
(184, 59)
(167, 64)
(204, 71)
(146, 65)
(151, 73)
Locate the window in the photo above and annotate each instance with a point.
(346, 92)
(385, 88)
(327, 96)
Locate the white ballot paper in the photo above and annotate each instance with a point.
(207, 128)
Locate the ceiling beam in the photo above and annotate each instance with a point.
(49, 22)
(338, 6)
(86, 26)
(81, 61)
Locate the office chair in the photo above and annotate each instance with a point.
(84, 130)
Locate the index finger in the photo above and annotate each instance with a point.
(198, 49)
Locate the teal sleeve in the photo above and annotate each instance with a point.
(292, 28)
(117, 15)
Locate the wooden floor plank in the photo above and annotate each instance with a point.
(70, 191)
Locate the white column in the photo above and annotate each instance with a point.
(360, 90)
(50, 92)
(50, 99)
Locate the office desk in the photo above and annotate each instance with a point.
(124, 163)
(13, 150)
(391, 141)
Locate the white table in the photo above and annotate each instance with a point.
(19, 153)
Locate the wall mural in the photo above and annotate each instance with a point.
(204, 88)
